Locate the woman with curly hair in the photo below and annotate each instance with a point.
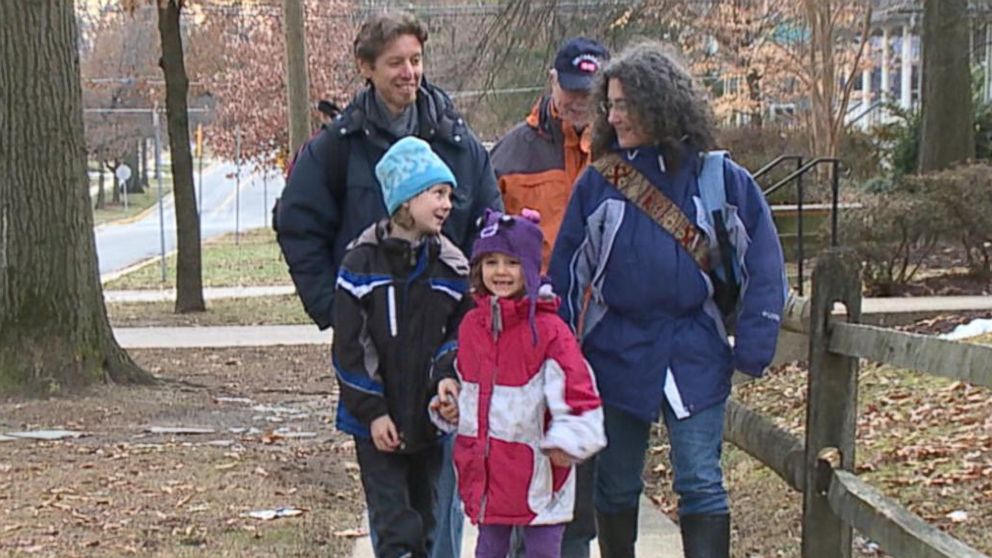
(633, 265)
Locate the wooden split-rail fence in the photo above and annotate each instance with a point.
(835, 499)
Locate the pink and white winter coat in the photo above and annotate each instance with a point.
(516, 399)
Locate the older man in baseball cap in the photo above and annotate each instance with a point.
(538, 160)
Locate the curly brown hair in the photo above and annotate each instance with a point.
(378, 31)
(661, 96)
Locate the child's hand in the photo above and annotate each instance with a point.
(447, 400)
(384, 434)
(560, 458)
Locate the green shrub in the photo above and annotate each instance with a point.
(892, 232)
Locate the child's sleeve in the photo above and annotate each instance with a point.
(355, 356)
(573, 400)
(444, 358)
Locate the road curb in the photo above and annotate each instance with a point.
(112, 275)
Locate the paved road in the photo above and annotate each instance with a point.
(224, 209)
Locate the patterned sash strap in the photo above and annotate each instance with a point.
(638, 190)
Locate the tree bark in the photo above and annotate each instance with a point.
(756, 107)
(131, 159)
(947, 134)
(297, 87)
(189, 281)
(54, 331)
(115, 198)
(143, 162)
(101, 196)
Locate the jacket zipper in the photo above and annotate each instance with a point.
(497, 327)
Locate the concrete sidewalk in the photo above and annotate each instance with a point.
(896, 305)
(657, 537)
(882, 309)
(218, 337)
(213, 293)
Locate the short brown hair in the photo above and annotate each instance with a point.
(377, 32)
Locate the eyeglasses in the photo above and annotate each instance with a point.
(620, 105)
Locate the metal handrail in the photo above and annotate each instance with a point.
(799, 172)
(872, 108)
(776, 162)
(797, 175)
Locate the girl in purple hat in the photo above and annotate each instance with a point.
(523, 399)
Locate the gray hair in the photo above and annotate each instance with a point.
(661, 97)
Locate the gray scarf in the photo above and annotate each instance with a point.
(399, 126)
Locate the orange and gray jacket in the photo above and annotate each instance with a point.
(537, 163)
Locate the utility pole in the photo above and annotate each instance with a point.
(297, 86)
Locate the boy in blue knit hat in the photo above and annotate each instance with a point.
(400, 295)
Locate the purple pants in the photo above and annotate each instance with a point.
(540, 541)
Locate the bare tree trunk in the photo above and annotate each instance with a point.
(821, 63)
(115, 198)
(947, 134)
(829, 104)
(54, 331)
(754, 96)
(101, 196)
(143, 162)
(189, 281)
(297, 88)
(132, 160)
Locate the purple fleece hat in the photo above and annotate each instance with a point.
(517, 236)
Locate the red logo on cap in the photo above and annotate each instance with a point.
(586, 63)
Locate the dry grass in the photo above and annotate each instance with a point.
(248, 260)
(267, 310)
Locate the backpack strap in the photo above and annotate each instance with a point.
(638, 190)
(712, 189)
(713, 192)
(340, 152)
(726, 269)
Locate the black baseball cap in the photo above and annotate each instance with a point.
(577, 62)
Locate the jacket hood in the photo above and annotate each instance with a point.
(438, 119)
(444, 249)
(543, 120)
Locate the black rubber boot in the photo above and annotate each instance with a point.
(617, 533)
(705, 536)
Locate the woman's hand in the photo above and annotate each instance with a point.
(384, 434)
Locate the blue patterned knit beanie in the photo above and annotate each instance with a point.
(408, 168)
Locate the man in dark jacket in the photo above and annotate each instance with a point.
(332, 193)
(324, 206)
